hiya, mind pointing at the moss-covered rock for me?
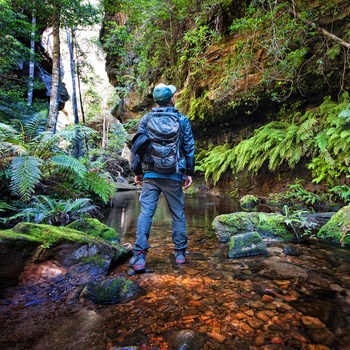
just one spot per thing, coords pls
(45, 234)
(35, 245)
(249, 202)
(270, 226)
(246, 244)
(337, 229)
(110, 290)
(95, 228)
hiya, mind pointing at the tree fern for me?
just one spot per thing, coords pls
(25, 174)
(43, 209)
(68, 163)
(100, 185)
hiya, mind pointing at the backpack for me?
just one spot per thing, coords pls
(164, 131)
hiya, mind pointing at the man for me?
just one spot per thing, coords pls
(149, 172)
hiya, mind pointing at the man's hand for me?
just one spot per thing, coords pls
(138, 179)
(188, 182)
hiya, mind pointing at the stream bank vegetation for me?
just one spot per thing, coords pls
(48, 173)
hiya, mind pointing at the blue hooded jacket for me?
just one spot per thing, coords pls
(140, 145)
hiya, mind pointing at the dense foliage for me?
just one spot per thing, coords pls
(320, 134)
(236, 58)
(41, 177)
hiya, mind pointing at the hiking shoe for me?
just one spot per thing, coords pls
(180, 256)
(138, 261)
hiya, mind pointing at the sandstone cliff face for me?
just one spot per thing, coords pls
(227, 108)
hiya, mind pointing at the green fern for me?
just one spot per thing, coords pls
(46, 210)
(70, 164)
(25, 174)
(321, 134)
(100, 185)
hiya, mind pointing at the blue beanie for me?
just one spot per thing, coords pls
(163, 93)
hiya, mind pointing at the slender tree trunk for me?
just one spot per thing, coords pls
(31, 62)
(56, 75)
(77, 142)
(80, 93)
(72, 70)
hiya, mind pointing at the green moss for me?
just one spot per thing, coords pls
(337, 229)
(268, 225)
(46, 235)
(249, 201)
(246, 244)
(111, 290)
(95, 228)
(19, 242)
(273, 225)
(95, 260)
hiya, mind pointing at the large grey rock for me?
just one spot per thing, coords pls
(246, 244)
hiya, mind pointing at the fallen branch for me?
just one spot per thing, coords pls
(319, 29)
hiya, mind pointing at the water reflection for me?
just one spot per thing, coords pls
(273, 301)
(200, 212)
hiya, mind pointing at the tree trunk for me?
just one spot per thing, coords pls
(31, 63)
(77, 142)
(72, 71)
(56, 75)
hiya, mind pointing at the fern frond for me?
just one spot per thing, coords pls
(25, 174)
(6, 132)
(100, 185)
(75, 132)
(69, 164)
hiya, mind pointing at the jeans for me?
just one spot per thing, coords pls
(172, 191)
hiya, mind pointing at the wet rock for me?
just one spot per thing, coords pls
(184, 339)
(94, 227)
(249, 202)
(312, 322)
(292, 250)
(247, 244)
(82, 331)
(278, 269)
(13, 257)
(110, 290)
(268, 225)
(321, 336)
(260, 340)
(337, 228)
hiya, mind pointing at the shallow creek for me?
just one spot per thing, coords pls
(275, 301)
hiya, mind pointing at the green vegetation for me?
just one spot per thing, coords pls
(32, 157)
(165, 38)
(46, 235)
(337, 228)
(320, 134)
(95, 228)
(45, 210)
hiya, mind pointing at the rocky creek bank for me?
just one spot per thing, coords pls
(65, 289)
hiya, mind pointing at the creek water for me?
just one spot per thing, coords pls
(274, 301)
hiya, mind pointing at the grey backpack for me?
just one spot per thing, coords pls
(164, 131)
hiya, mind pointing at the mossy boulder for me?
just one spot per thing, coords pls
(110, 290)
(337, 229)
(46, 235)
(270, 226)
(36, 247)
(249, 202)
(95, 228)
(246, 244)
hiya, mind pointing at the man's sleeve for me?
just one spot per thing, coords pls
(188, 146)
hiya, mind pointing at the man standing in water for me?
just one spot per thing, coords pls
(163, 163)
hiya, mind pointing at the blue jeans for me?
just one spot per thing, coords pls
(172, 191)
